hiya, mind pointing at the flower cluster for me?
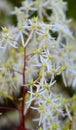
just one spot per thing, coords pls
(43, 31)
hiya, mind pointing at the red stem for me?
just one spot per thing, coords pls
(7, 108)
(22, 122)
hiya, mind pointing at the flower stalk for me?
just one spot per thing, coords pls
(24, 91)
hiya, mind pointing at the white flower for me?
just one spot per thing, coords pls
(8, 37)
(74, 83)
(49, 108)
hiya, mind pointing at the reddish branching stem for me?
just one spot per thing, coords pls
(22, 121)
(71, 122)
(7, 108)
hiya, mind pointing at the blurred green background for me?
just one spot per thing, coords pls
(71, 12)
